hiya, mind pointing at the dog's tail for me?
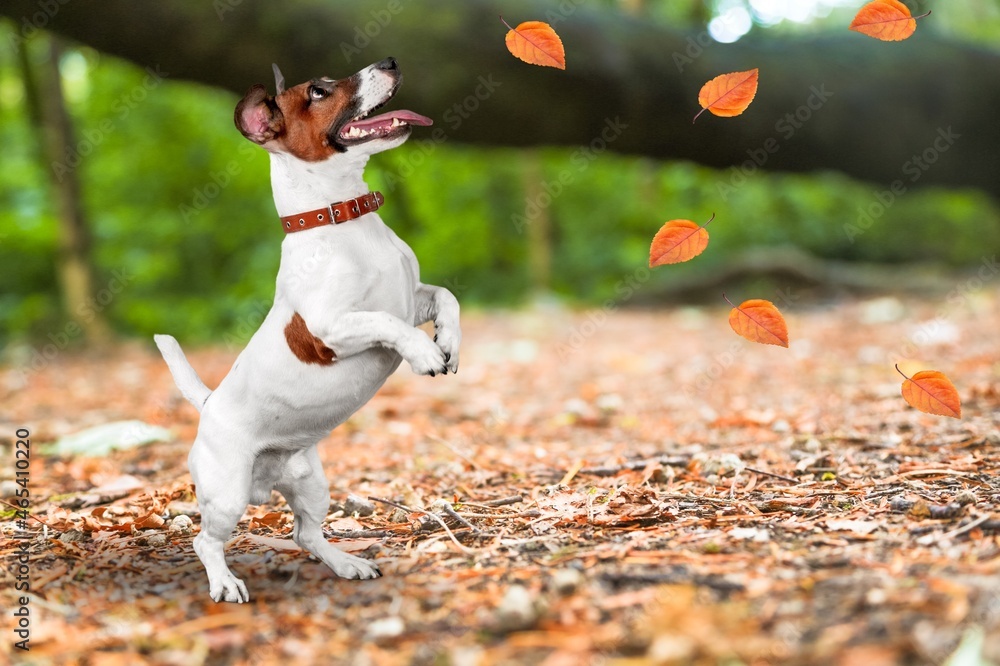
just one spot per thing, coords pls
(187, 380)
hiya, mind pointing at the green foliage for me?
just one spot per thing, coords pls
(181, 213)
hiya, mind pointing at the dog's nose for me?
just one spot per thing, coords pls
(387, 64)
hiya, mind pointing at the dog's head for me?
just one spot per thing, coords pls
(322, 118)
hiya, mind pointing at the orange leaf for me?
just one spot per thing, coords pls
(932, 392)
(888, 20)
(760, 321)
(536, 43)
(678, 241)
(728, 95)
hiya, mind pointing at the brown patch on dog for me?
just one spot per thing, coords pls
(309, 121)
(299, 124)
(306, 346)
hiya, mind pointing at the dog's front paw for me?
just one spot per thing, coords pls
(424, 356)
(449, 339)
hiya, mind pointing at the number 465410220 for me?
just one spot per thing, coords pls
(22, 461)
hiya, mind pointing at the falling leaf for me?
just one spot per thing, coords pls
(760, 321)
(536, 43)
(888, 20)
(932, 392)
(678, 241)
(728, 95)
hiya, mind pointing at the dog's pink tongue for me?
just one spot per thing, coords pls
(404, 116)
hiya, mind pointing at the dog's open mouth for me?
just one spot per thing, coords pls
(364, 128)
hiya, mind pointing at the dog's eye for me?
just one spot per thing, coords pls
(317, 93)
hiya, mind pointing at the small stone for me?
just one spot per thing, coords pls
(385, 629)
(965, 498)
(358, 505)
(156, 540)
(721, 465)
(671, 649)
(517, 610)
(181, 524)
(8, 488)
(567, 581)
(609, 402)
(70, 536)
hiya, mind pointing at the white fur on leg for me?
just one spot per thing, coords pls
(308, 493)
(222, 584)
(354, 332)
(223, 491)
(439, 305)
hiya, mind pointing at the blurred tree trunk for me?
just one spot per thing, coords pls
(539, 227)
(920, 112)
(47, 108)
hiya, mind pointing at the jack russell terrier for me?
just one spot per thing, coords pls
(347, 302)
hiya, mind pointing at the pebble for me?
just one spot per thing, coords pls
(516, 610)
(8, 488)
(385, 629)
(181, 524)
(567, 581)
(358, 505)
(156, 540)
(69, 536)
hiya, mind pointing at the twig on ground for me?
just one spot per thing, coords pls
(448, 445)
(358, 534)
(959, 531)
(30, 515)
(447, 508)
(771, 474)
(634, 465)
(463, 548)
(503, 501)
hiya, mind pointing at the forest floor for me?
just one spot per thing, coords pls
(635, 487)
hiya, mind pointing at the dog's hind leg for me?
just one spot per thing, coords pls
(223, 494)
(308, 493)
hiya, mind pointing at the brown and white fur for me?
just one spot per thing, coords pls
(347, 301)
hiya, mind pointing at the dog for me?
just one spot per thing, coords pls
(347, 302)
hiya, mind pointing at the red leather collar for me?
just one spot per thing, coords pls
(334, 213)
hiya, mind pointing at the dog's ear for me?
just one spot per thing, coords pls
(258, 117)
(279, 79)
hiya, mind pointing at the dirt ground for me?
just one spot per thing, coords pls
(632, 487)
